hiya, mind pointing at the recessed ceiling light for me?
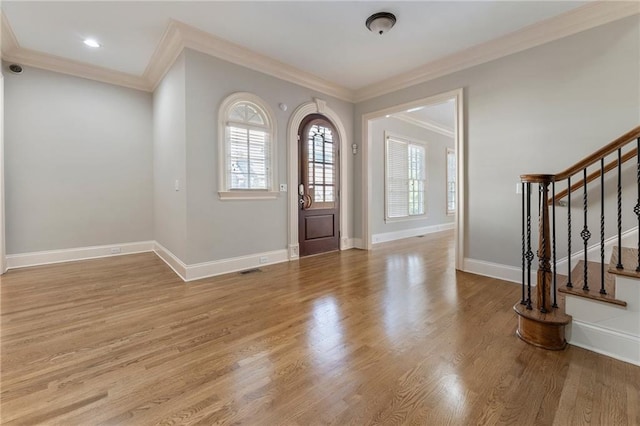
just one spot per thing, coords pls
(91, 42)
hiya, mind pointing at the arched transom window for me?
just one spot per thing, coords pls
(247, 148)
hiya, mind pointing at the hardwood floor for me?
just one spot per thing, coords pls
(391, 336)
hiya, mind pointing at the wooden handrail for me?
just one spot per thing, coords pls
(599, 154)
(595, 175)
(587, 161)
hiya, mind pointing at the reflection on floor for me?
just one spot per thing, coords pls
(390, 336)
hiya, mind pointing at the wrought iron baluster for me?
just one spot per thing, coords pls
(602, 290)
(585, 234)
(553, 239)
(529, 252)
(569, 283)
(619, 264)
(523, 220)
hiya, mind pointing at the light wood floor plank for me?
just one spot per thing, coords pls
(390, 336)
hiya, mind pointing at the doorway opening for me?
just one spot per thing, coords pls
(413, 171)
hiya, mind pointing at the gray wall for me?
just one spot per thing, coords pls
(436, 149)
(538, 111)
(222, 229)
(78, 162)
(169, 160)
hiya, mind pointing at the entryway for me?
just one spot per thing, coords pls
(318, 186)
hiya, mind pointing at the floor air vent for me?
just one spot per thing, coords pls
(251, 271)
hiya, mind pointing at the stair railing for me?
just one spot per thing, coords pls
(546, 284)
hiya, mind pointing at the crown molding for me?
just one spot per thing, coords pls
(206, 43)
(13, 52)
(591, 15)
(166, 53)
(425, 124)
(75, 68)
(180, 35)
(9, 40)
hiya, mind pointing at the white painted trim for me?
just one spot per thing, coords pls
(204, 42)
(622, 346)
(178, 266)
(357, 243)
(13, 52)
(248, 195)
(272, 125)
(425, 124)
(497, 270)
(408, 141)
(317, 106)
(408, 233)
(163, 58)
(3, 249)
(78, 69)
(234, 264)
(459, 141)
(591, 15)
(24, 260)
(9, 40)
(180, 35)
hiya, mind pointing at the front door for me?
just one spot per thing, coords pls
(318, 183)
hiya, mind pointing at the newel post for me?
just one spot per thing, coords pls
(545, 276)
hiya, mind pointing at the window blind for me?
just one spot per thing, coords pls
(405, 179)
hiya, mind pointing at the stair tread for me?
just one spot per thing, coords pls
(629, 262)
(593, 280)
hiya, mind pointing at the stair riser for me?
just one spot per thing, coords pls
(605, 328)
(603, 314)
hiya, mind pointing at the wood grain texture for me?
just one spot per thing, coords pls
(390, 336)
(629, 262)
(593, 279)
(595, 175)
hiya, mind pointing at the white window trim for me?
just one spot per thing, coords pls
(411, 141)
(446, 187)
(245, 194)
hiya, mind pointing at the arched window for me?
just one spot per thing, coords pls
(247, 148)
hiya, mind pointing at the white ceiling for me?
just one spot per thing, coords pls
(328, 39)
(442, 115)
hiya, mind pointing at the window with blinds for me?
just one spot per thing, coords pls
(451, 181)
(248, 144)
(405, 175)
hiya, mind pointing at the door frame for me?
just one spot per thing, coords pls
(317, 106)
(367, 190)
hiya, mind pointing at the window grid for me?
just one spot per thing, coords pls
(321, 164)
(405, 179)
(451, 181)
(247, 147)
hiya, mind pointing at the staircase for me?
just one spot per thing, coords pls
(586, 299)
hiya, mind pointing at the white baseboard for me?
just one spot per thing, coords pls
(357, 243)
(234, 264)
(614, 344)
(24, 260)
(408, 233)
(178, 266)
(497, 270)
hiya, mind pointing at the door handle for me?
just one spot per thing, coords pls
(301, 189)
(306, 201)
